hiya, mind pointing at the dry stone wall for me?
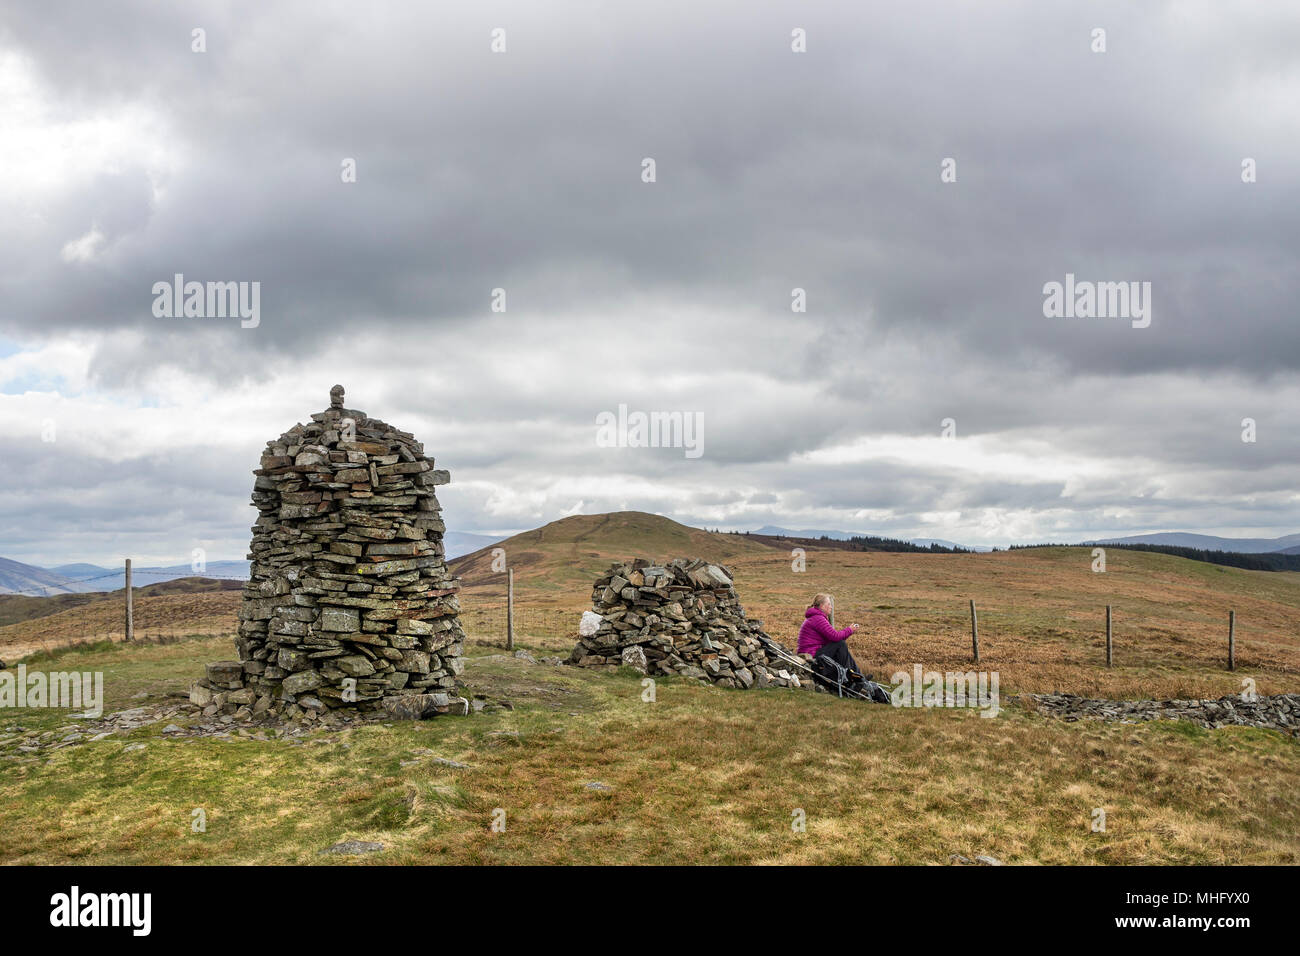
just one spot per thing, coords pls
(1278, 712)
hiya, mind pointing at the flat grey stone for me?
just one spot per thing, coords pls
(455, 764)
(353, 848)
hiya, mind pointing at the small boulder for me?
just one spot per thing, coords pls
(414, 706)
(634, 657)
(226, 673)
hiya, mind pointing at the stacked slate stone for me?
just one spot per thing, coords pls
(1281, 711)
(349, 602)
(683, 617)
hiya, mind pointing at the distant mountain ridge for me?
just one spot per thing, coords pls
(18, 577)
(83, 578)
(78, 571)
(1289, 544)
(80, 578)
(774, 531)
(458, 543)
(1208, 542)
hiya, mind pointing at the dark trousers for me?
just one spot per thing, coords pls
(838, 651)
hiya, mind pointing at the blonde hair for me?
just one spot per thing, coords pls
(820, 599)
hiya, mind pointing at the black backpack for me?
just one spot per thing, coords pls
(874, 691)
(830, 674)
(842, 682)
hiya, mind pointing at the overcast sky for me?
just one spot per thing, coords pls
(128, 157)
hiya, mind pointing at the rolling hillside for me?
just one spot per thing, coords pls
(189, 606)
(566, 555)
(1042, 610)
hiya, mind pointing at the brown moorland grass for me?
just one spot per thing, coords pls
(157, 613)
(1041, 610)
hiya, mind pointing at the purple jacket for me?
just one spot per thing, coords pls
(817, 631)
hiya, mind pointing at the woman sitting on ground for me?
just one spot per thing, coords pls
(818, 637)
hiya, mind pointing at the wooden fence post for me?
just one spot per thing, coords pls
(1110, 646)
(510, 609)
(974, 631)
(130, 617)
(1232, 640)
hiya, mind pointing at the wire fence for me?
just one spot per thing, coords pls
(487, 611)
(88, 615)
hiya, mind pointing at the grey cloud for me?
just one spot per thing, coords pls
(774, 171)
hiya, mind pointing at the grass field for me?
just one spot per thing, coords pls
(700, 774)
(1042, 611)
(703, 774)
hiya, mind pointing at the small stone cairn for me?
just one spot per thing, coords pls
(683, 617)
(349, 605)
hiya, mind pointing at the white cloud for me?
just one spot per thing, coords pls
(84, 248)
(52, 150)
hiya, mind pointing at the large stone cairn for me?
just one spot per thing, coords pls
(683, 617)
(349, 602)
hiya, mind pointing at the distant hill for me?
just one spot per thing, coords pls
(114, 579)
(458, 543)
(807, 533)
(1208, 542)
(24, 607)
(28, 579)
(16, 608)
(570, 552)
(18, 577)
(1174, 539)
(774, 531)
(945, 543)
(195, 606)
(190, 585)
(78, 571)
(1249, 560)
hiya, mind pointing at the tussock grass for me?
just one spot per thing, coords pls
(700, 775)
